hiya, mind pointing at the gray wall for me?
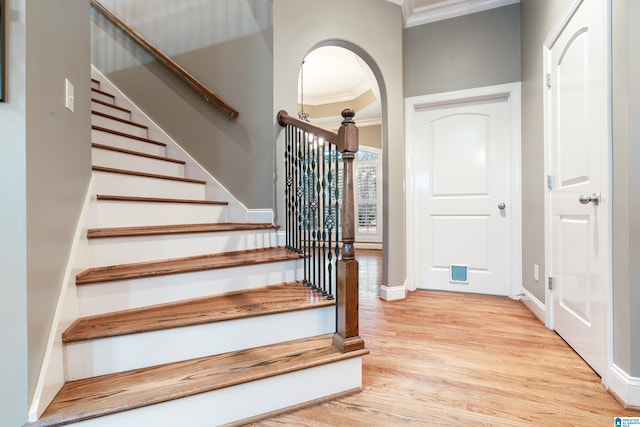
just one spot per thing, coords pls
(470, 51)
(538, 18)
(13, 228)
(46, 165)
(240, 70)
(299, 27)
(626, 185)
(58, 155)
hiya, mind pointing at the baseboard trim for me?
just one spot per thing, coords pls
(260, 215)
(624, 388)
(534, 305)
(392, 293)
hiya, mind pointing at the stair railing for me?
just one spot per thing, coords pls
(208, 95)
(320, 214)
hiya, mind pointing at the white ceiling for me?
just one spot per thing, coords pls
(334, 74)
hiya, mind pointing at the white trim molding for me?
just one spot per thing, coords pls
(392, 293)
(533, 304)
(624, 387)
(414, 16)
(512, 92)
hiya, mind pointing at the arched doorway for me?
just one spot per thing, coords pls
(332, 78)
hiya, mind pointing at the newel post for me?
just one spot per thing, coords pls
(346, 337)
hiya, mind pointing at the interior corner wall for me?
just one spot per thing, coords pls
(58, 156)
(626, 185)
(375, 28)
(537, 19)
(13, 244)
(476, 50)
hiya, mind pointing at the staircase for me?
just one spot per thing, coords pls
(186, 316)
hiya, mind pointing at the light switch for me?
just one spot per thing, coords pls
(536, 272)
(68, 93)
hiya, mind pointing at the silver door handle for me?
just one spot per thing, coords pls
(501, 206)
(594, 198)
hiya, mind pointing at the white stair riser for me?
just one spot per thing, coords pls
(102, 97)
(122, 250)
(123, 214)
(118, 354)
(118, 126)
(243, 401)
(108, 138)
(118, 160)
(116, 112)
(141, 186)
(105, 297)
(95, 85)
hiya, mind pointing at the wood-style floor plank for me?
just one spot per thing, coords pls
(184, 265)
(447, 359)
(152, 230)
(273, 299)
(93, 397)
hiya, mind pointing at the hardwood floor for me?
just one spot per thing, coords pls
(447, 359)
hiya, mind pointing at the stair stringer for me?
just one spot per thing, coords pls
(214, 190)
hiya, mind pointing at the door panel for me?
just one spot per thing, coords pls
(461, 177)
(579, 158)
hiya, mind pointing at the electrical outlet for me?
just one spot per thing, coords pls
(536, 272)
(69, 96)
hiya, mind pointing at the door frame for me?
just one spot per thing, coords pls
(563, 20)
(512, 93)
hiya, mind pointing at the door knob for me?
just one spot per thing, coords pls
(585, 198)
(501, 206)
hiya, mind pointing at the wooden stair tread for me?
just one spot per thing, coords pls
(184, 265)
(128, 135)
(119, 119)
(93, 397)
(273, 299)
(117, 198)
(152, 230)
(101, 92)
(106, 104)
(136, 153)
(145, 174)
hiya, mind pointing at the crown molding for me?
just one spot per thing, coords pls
(445, 9)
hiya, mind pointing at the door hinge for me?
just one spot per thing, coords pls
(548, 80)
(550, 182)
(552, 283)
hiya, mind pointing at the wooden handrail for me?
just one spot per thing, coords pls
(285, 119)
(183, 74)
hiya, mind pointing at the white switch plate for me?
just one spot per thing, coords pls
(536, 272)
(68, 93)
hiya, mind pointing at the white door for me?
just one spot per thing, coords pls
(462, 204)
(578, 159)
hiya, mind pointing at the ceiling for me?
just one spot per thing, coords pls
(334, 75)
